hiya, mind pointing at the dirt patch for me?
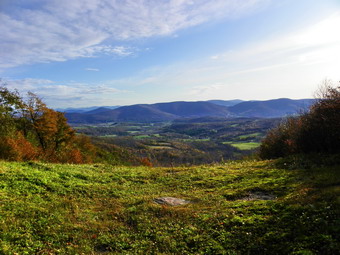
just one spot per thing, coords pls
(258, 195)
(173, 201)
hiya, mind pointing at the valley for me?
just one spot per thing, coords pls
(183, 141)
(184, 133)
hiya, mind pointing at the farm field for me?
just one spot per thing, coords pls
(244, 145)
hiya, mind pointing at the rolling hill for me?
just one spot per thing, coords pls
(84, 109)
(150, 113)
(270, 108)
(177, 110)
(226, 102)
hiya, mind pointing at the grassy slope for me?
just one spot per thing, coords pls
(94, 209)
(244, 145)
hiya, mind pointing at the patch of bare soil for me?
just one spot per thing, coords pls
(258, 195)
(173, 201)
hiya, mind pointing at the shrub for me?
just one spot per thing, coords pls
(146, 162)
(17, 148)
(282, 140)
(75, 157)
(316, 131)
(85, 148)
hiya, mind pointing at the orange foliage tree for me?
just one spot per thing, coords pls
(30, 130)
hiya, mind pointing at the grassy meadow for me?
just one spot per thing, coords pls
(244, 146)
(241, 207)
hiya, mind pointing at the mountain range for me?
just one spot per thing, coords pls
(177, 110)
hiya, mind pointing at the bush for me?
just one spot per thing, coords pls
(17, 148)
(282, 140)
(316, 131)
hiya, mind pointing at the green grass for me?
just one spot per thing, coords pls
(253, 135)
(234, 125)
(141, 136)
(132, 127)
(133, 132)
(108, 136)
(94, 209)
(196, 140)
(244, 146)
(160, 147)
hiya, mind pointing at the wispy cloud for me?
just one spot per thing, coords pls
(58, 30)
(92, 69)
(204, 90)
(288, 66)
(69, 94)
(298, 46)
(25, 85)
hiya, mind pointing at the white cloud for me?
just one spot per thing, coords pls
(57, 30)
(299, 46)
(289, 66)
(92, 69)
(67, 94)
(204, 90)
(25, 85)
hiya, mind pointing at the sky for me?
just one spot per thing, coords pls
(83, 53)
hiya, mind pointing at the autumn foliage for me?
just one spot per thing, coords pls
(29, 130)
(316, 131)
(17, 148)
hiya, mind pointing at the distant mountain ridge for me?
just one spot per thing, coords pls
(177, 110)
(84, 109)
(150, 112)
(270, 108)
(226, 102)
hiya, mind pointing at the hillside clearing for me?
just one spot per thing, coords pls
(94, 209)
(243, 145)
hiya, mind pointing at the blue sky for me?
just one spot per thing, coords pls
(112, 52)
